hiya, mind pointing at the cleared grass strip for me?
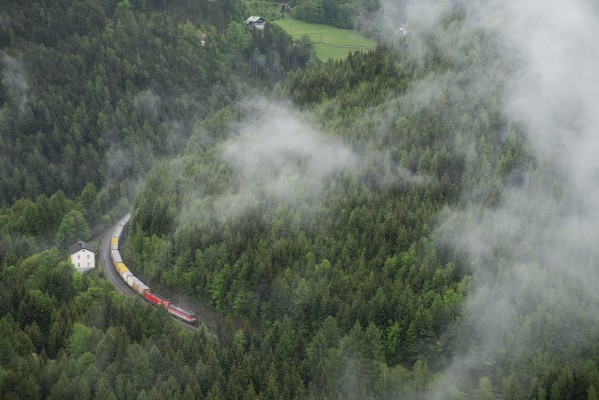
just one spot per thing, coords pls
(329, 42)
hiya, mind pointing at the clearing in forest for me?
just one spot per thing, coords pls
(330, 42)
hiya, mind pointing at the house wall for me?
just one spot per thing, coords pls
(84, 260)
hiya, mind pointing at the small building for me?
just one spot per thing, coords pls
(255, 22)
(402, 30)
(83, 256)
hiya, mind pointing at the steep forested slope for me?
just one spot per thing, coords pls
(361, 216)
(351, 216)
(99, 93)
(327, 217)
(93, 96)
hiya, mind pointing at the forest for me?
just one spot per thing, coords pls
(378, 227)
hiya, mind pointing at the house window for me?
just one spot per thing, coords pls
(88, 264)
(88, 256)
(78, 256)
(78, 265)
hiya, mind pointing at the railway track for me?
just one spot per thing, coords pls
(111, 274)
(109, 271)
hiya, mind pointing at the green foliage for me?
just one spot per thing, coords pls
(73, 227)
(350, 293)
(272, 53)
(338, 13)
(358, 274)
(117, 87)
(342, 79)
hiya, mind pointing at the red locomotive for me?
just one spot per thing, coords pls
(176, 311)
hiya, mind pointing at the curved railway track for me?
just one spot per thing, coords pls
(111, 274)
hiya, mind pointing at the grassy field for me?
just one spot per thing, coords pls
(329, 42)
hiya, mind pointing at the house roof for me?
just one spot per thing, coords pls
(254, 18)
(81, 245)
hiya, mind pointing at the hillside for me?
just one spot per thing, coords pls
(413, 221)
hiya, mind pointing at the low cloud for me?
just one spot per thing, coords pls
(121, 161)
(533, 258)
(419, 15)
(278, 155)
(15, 78)
(148, 103)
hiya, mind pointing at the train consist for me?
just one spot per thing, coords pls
(138, 286)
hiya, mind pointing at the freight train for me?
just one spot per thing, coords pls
(137, 285)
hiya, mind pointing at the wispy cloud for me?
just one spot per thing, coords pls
(278, 155)
(535, 255)
(15, 78)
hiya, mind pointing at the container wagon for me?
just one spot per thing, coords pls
(137, 285)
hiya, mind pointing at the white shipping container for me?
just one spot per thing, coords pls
(116, 256)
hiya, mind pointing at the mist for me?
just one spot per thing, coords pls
(277, 155)
(147, 103)
(533, 258)
(15, 78)
(277, 150)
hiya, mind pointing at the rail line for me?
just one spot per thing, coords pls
(112, 275)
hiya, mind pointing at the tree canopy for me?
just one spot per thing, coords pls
(319, 208)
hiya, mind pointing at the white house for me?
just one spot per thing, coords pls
(255, 22)
(83, 256)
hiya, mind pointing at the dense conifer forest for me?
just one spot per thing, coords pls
(364, 226)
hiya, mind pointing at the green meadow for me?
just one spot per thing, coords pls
(330, 42)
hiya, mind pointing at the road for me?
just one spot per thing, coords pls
(111, 274)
